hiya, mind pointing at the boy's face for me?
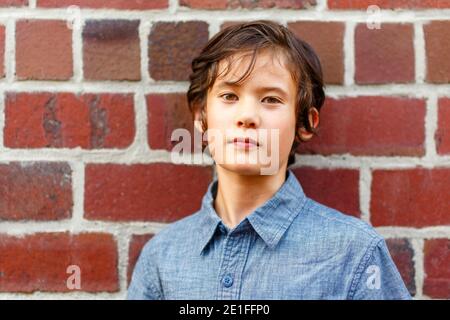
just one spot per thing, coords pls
(252, 110)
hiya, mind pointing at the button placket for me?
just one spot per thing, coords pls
(236, 249)
(226, 280)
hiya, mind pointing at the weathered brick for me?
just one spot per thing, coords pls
(13, 3)
(43, 55)
(388, 4)
(66, 120)
(437, 268)
(442, 135)
(327, 39)
(416, 197)
(437, 47)
(107, 4)
(2, 51)
(167, 112)
(248, 4)
(336, 188)
(384, 55)
(370, 125)
(172, 46)
(35, 191)
(111, 50)
(402, 253)
(146, 192)
(39, 262)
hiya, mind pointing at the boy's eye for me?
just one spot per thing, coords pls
(273, 100)
(227, 94)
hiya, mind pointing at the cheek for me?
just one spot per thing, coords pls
(218, 117)
(286, 130)
(219, 121)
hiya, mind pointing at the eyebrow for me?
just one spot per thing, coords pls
(224, 84)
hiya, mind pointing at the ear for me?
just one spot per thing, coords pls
(313, 118)
(198, 120)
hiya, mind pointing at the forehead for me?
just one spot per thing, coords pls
(270, 68)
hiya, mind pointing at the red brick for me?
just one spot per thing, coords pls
(107, 4)
(403, 255)
(167, 112)
(437, 46)
(384, 55)
(172, 46)
(66, 120)
(137, 242)
(43, 55)
(248, 4)
(111, 50)
(327, 39)
(13, 3)
(371, 125)
(388, 4)
(147, 192)
(39, 262)
(35, 191)
(2, 51)
(336, 188)
(410, 197)
(442, 136)
(437, 268)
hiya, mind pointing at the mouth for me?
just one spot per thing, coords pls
(244, 142)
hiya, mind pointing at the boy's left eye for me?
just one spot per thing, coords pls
(274, 100)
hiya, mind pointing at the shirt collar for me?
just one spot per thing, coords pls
(270, 220)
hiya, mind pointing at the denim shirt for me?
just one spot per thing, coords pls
(291, 247)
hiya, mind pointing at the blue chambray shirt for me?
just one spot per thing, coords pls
(291, 247)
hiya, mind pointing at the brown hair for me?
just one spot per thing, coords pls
(252, 36)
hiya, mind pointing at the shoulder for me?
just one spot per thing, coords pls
(332, 234)
(352, 246)
(335, 224)
(173, 236)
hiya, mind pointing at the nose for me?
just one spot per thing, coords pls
(247, 117)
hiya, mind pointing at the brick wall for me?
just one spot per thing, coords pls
(91, 90)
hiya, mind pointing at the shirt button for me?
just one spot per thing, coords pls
(227, 281)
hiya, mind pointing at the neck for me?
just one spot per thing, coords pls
(239, 195)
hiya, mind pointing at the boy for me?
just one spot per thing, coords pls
(258, 236)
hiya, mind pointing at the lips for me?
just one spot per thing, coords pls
(245, 140)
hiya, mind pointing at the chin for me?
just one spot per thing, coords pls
(246, 163)
(242, 169)
(249, 169)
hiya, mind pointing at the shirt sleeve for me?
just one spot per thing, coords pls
(145, 281)
(377, 277)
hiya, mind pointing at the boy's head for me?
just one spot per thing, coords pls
(233, 83)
